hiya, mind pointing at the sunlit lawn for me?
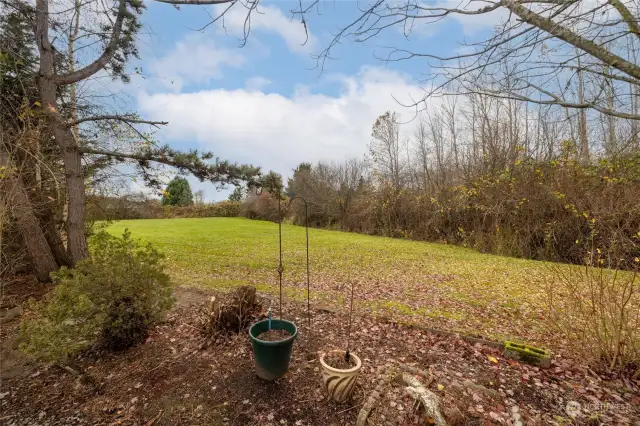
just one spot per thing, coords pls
(438, 285)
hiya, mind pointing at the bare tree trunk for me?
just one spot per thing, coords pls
(423, 153)
(612, 145)
(76, 240)
(47, 221)
(634, 92)
(635, 124)
(28, 224)
(584, 141)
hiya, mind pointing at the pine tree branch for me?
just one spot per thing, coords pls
(192, 162)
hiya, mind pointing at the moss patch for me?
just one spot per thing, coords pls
(528, 354)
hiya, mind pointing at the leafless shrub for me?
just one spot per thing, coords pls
(263, 207)
(229, 316)
(597, 308)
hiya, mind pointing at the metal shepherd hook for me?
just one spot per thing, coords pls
(280, 266)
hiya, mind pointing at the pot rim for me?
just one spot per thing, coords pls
(337, 370)
(277, 342)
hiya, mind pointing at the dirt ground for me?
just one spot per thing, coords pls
(172, 380)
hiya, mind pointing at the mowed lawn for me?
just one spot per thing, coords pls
(438, 285)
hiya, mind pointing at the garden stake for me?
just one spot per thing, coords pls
(280, 268)
(306, 225)
(347, 354)
(269, 314)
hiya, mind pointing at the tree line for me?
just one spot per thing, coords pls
(495, 175)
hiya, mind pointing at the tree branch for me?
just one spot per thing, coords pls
(196, 2)
(572, 38)
(117, 118)
(627, 16)
(106, 56)
(555, 100)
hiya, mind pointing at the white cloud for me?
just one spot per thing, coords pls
(195, 59)
(269, 19)
(256, 84)
(278, 132)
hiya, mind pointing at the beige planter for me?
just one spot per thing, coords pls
(340, 383)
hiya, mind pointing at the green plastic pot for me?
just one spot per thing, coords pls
(272, 358)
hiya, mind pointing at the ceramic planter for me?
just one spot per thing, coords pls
(272, 358)
(340, 383)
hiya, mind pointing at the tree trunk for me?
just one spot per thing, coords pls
(76, 240)
(584, 140)
(47, 220)
(28, 224)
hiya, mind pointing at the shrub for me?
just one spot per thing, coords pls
(263, 207)
(219, 209)
(139, 207)
(110, 299)
(596, 308)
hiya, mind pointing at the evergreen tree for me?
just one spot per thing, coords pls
(18, 68)
(237, 194)
(272, 183)
(178, 193)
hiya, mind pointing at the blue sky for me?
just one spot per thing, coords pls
(267, 103)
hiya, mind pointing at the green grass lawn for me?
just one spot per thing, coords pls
(438, 285)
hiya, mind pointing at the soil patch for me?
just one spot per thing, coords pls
(274, 335)
(338, 360)
(177, 377)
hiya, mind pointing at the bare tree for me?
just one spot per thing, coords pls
(386, 149)
(542, 40)
(422, 152)
(198, 197)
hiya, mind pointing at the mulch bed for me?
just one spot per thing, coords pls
(175, 378)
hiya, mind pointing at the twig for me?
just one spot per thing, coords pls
(153, 420)
(350, 408)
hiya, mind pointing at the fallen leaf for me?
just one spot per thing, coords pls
(492, 359)
(440, 386)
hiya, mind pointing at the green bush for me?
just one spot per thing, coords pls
(110, 299)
